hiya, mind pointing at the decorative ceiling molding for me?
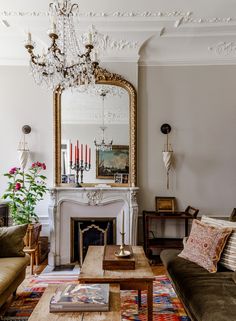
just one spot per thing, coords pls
(185, 17)
(224, 48)
(129, 14)
(191, 19)
(104, 42)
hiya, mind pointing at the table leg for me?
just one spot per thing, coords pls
(186, 227)
(150, 301)
(139, 298)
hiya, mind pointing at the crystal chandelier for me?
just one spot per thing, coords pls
(64, 63)
(103, 146)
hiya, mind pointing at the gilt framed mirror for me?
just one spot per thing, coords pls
(96, 128)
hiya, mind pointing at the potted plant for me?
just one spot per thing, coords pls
(25, 190)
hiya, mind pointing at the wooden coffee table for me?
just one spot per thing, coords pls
(139, 279)
(41, 311)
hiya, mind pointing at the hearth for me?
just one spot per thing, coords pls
(89, 231)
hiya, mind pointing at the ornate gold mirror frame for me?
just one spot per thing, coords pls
(102, 77)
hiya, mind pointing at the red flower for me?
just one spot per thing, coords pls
(13, 170)
(18, 186)
(39, 165)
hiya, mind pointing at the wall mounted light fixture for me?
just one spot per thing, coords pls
(167, 153)
(23, 148)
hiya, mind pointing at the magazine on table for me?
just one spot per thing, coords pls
(80, 297)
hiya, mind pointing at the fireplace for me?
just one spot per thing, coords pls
(91, 203)
(88, 231)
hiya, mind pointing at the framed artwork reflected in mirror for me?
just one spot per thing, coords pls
(113, 162)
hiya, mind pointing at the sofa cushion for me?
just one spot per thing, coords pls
(228, 257)
(205, 245)
(11, 240)
(206, 296)
(10, 268)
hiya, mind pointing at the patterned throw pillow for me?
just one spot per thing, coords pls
(228, 257)
(205, 244)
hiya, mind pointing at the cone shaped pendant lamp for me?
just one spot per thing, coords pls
(167, 153)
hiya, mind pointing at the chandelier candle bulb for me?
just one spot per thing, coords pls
(90, 38)
(29, 38)
(95, 57)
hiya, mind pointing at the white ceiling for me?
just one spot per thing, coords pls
(158, 32)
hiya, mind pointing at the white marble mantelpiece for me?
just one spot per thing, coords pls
(89, 202)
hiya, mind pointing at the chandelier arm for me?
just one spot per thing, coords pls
(33, 57)
(74, 7)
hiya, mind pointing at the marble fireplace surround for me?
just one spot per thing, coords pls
(89, 202)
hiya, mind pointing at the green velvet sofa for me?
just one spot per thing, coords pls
(12, 273)
(205, 296)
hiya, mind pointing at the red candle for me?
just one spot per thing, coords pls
(75, 154)
(89, 155)
(81, 152)
(86, 152)
(70, 152)
(78, 154)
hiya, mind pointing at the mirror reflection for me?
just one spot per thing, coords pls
(95, 135)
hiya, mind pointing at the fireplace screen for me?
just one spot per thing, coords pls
(87, 232)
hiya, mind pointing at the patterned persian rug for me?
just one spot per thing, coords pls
(166, 305)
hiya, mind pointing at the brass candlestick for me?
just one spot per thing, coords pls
(122, 252)
(122, 246)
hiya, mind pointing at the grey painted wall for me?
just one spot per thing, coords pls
(200, 104)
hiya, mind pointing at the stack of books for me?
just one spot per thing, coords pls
(80, 297)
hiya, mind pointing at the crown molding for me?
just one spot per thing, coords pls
(188, 61)
(203, 20)
(127, 14)
(224, 49)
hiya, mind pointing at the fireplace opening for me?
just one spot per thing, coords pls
(87, 231)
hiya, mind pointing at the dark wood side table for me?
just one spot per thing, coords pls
(4, 212)
(160, 242)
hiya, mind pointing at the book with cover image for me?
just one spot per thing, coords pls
(80, 297)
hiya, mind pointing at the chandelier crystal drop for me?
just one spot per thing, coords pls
(103, 146)
(64, 63)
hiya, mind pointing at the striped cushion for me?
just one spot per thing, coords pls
(228, 257)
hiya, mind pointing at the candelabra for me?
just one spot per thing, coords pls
(80, 167)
